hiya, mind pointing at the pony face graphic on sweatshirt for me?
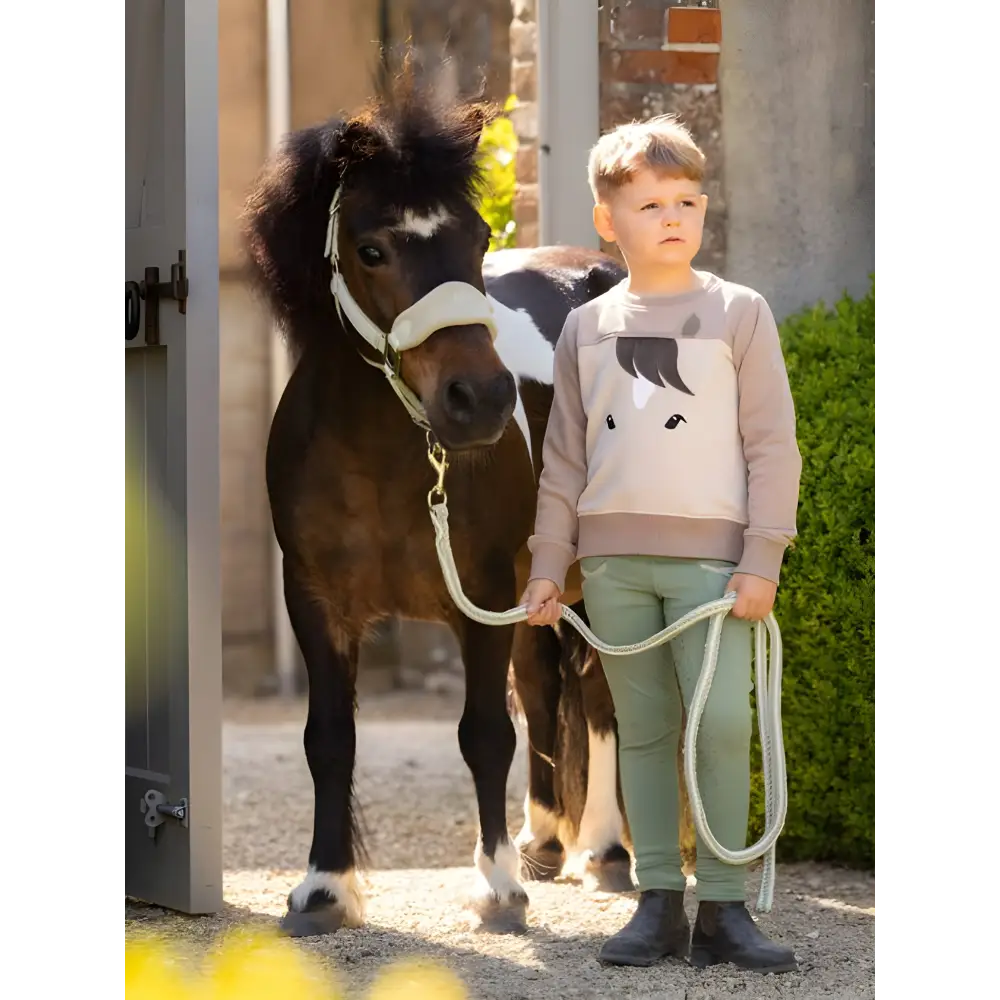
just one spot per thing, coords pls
(662, 427)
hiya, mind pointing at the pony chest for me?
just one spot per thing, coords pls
(362, 520)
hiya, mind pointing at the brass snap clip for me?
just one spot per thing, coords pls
(438, 458)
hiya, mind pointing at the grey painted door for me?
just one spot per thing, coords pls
(173, 854)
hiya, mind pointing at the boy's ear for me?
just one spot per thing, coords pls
(602, 222)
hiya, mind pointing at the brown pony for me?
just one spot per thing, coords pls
(366, 227)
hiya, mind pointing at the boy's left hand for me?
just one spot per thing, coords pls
(754, 596)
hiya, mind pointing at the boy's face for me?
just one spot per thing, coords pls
(656, 220)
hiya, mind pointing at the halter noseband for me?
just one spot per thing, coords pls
(452, 303)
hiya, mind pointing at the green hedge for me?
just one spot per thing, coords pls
(826, 600)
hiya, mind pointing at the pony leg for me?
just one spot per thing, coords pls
(329, 896)
(487, 740)
(598, 856)
(537, 685)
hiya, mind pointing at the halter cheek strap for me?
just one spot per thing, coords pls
(452, 303)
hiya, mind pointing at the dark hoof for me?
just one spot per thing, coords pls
(611, 873)
(502, 918)
(322, 915)
(511, 919)
(544, 862)
(314, 923)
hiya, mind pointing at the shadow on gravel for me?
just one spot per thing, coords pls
(546, 964)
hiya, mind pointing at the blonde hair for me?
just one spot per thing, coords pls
(662, 144)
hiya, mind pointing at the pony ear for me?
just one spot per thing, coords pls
(481, 113)
(477, 116)
(285, 219)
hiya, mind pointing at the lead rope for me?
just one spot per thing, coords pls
(768, 704)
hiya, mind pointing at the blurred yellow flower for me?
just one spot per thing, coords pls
(258, 965)
(417, 980)
(255, 965)
(151, 971)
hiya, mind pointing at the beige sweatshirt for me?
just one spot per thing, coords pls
(672, 433)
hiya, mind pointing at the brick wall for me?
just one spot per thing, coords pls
(656, 57)
(524, 86)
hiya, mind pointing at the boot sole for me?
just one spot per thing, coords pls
(642, 961)
(702, 958)
(637, 961)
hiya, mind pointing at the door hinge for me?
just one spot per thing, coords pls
(151, 290)
(157, 810)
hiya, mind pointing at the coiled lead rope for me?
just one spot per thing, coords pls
(768, 702)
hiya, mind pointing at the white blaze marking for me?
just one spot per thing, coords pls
(641, 392)
(344, 886)
(424, 226)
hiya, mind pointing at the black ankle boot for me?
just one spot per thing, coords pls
(725, 932)
(659, 927)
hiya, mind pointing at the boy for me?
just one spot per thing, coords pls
(671, 471)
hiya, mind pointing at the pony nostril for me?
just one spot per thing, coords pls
(503, 389)
(459, 401)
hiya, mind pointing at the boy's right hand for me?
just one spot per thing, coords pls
(541, 598)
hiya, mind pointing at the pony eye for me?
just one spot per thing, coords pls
(370, 255)
(610, 422)
(674, 421)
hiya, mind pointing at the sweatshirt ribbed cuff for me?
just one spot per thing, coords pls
(761, 557)
(550, 562)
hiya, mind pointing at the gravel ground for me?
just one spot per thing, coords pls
(418, 807)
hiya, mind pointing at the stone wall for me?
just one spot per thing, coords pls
(801, 206)
(656, 57)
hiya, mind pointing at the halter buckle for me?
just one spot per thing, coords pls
(391, 360)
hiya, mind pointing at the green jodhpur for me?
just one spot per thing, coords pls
(629, 598)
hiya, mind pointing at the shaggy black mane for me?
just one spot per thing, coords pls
(407, 149)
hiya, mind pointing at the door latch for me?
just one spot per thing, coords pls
(157, 809)
(152, 290)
